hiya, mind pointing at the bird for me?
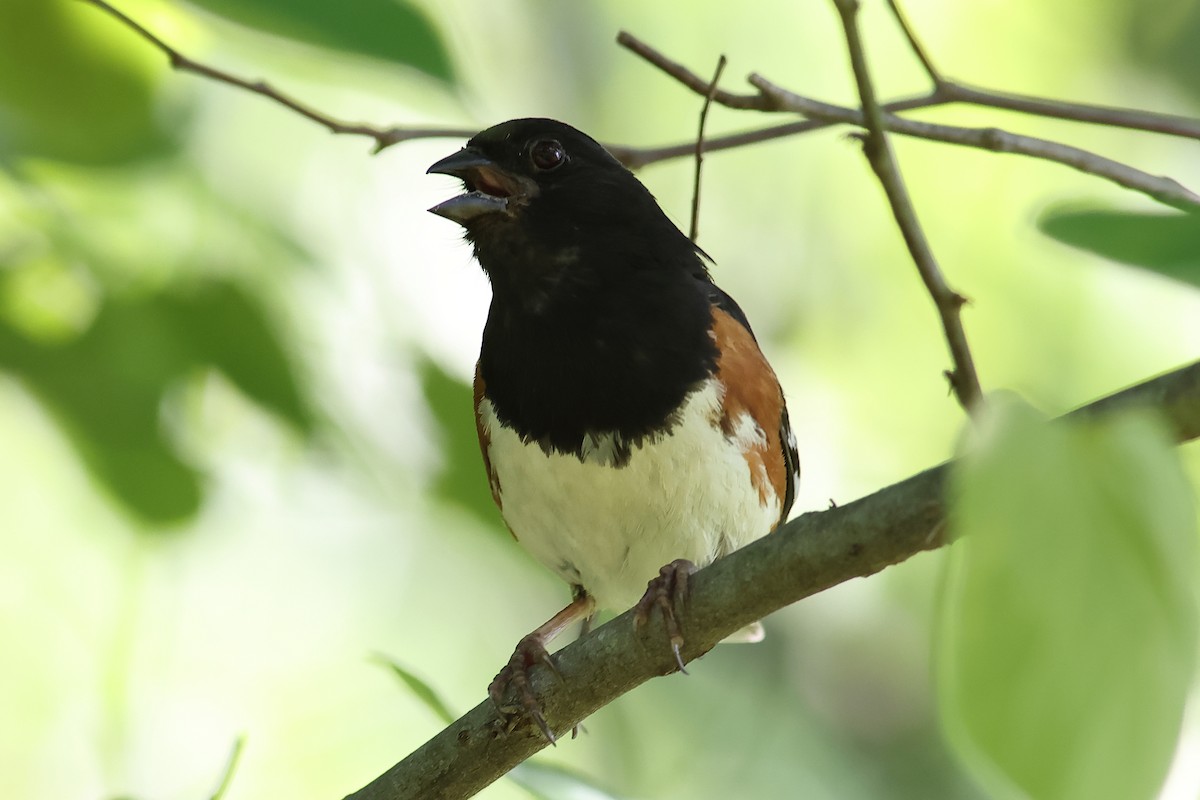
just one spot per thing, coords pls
(631, 429)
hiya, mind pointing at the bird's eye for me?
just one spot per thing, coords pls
(547, 154)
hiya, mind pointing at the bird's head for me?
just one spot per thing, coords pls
(547, 207)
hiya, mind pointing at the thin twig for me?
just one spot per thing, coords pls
(688, 78)
(712, 88)
(384, 137)
(775, 98)
(1112, 116)
(807, 555)
(638, 157)
(935, 75)
(954, 92)
(1163, 189)
(963, 378)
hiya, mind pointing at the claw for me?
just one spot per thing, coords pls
(531, 650)
(669, 593)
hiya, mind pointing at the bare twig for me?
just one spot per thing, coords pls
(687, 77)
(1133, 119)
(935, 76)
(775, 98)
(954, 92)
(384, 137)
(712, 88)
(1163, 189)
(963, 378)
(810, 553)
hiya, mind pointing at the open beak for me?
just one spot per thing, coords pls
(489, 189)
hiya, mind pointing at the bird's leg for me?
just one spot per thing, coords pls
(667, 592)
(532, 650)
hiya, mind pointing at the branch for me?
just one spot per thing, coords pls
(963, 378)
(384, 137)
(775, 98)
(954, 92)
(807, 555)
(1163, 189)
(712, 88)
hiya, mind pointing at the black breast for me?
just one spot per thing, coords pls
(617, 359)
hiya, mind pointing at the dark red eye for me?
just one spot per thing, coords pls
(546, 154)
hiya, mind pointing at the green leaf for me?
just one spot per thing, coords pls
(554, 782)
(229, 329)
(1168, 244)
(391, 30)
(1068, 621)
(74, 86)
(423, 691)
(543, 781)
(461, 480)
(106, 385)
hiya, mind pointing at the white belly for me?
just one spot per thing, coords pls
(609, 529)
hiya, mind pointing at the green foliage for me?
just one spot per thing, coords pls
(1068, 620)
(461, 480)
(72, 87)
(542, 781)
(1168, 244)
(107, 384)
(554, 782)
(1162, 36)
(391, 30)
(422, 691)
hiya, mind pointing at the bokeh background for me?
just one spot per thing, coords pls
(237, 466)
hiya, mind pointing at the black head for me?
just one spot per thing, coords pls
(551, 212)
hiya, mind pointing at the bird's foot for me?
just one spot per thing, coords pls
(531, 650)
(514, 676)
(668, 592)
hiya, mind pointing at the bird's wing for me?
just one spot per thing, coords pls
(751, 387)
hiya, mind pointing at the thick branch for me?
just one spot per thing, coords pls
(807, 555)
(963, 378)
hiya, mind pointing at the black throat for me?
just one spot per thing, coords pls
(613, 361)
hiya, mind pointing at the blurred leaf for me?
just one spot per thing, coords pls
(462, 480)
(543, 781)
(230, 767)
(1168, 244)
(554, 782)
(423, 691)
(228, 329)
(1162, 35)
(1068, 620)
(106, 385)
(72, 87)
(392, 30)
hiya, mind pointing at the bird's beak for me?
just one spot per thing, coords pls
(490, 190)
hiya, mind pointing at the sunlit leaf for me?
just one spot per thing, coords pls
(72, 87)
(1168, 244)
(1068, 619)
(227, 328)
(106, 385)
(392, 30)
(422, 691)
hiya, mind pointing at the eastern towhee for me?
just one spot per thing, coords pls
(626, 415)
